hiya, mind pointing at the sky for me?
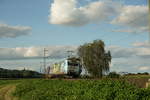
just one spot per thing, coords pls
(28, 26)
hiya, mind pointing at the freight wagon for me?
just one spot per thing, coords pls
(69, 67)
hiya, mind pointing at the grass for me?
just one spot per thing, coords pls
(138, 76)
(7, 82)
(57, 89)
(79, 90)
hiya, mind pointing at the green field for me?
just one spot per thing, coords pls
(40, 89)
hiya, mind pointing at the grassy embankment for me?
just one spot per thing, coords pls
(41, 89)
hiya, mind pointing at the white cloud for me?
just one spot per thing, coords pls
(35, 52)
(133, 17)
(144, 68)
(130, 64)
(119, 52)
(66, 12)
(32, 64)
(128, 59)
(32, 52)
(141, 44)
(123, 58)
(8, 31)
(123, 52)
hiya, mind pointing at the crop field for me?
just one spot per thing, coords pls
(138, 76)
(57, 89)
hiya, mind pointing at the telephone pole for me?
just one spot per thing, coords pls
(41, 65)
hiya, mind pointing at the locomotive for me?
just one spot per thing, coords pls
(70, 67)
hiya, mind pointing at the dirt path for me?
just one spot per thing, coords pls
(5, 92)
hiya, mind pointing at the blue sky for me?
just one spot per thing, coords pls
(34, 14)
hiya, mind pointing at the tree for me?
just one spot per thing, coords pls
(94, 58)
(7, 73)
(113, 75)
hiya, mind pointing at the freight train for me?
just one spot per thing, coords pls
(71, 67)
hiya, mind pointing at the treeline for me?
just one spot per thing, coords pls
(145, 73)
(6, 73)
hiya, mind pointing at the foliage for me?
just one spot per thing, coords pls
(94, 58)
(6, 73)
(145, 73)
(113, 75)
(79, 90)
(144, 94)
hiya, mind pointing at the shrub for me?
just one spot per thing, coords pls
(113, 75)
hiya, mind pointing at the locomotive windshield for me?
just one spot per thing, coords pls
(73, 61)
(72, 64)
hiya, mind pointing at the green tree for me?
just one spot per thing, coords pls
(113, 75)
(94, 58)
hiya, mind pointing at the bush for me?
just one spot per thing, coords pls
(113, 75)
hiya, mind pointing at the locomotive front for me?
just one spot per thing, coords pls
(74, 67)
(69, 67)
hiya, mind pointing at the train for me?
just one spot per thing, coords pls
(70, 67)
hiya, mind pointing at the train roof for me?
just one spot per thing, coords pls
(73, 59)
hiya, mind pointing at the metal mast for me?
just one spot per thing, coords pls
(44, 60)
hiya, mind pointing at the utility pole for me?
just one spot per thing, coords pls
(41, 64)
(44, 60)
